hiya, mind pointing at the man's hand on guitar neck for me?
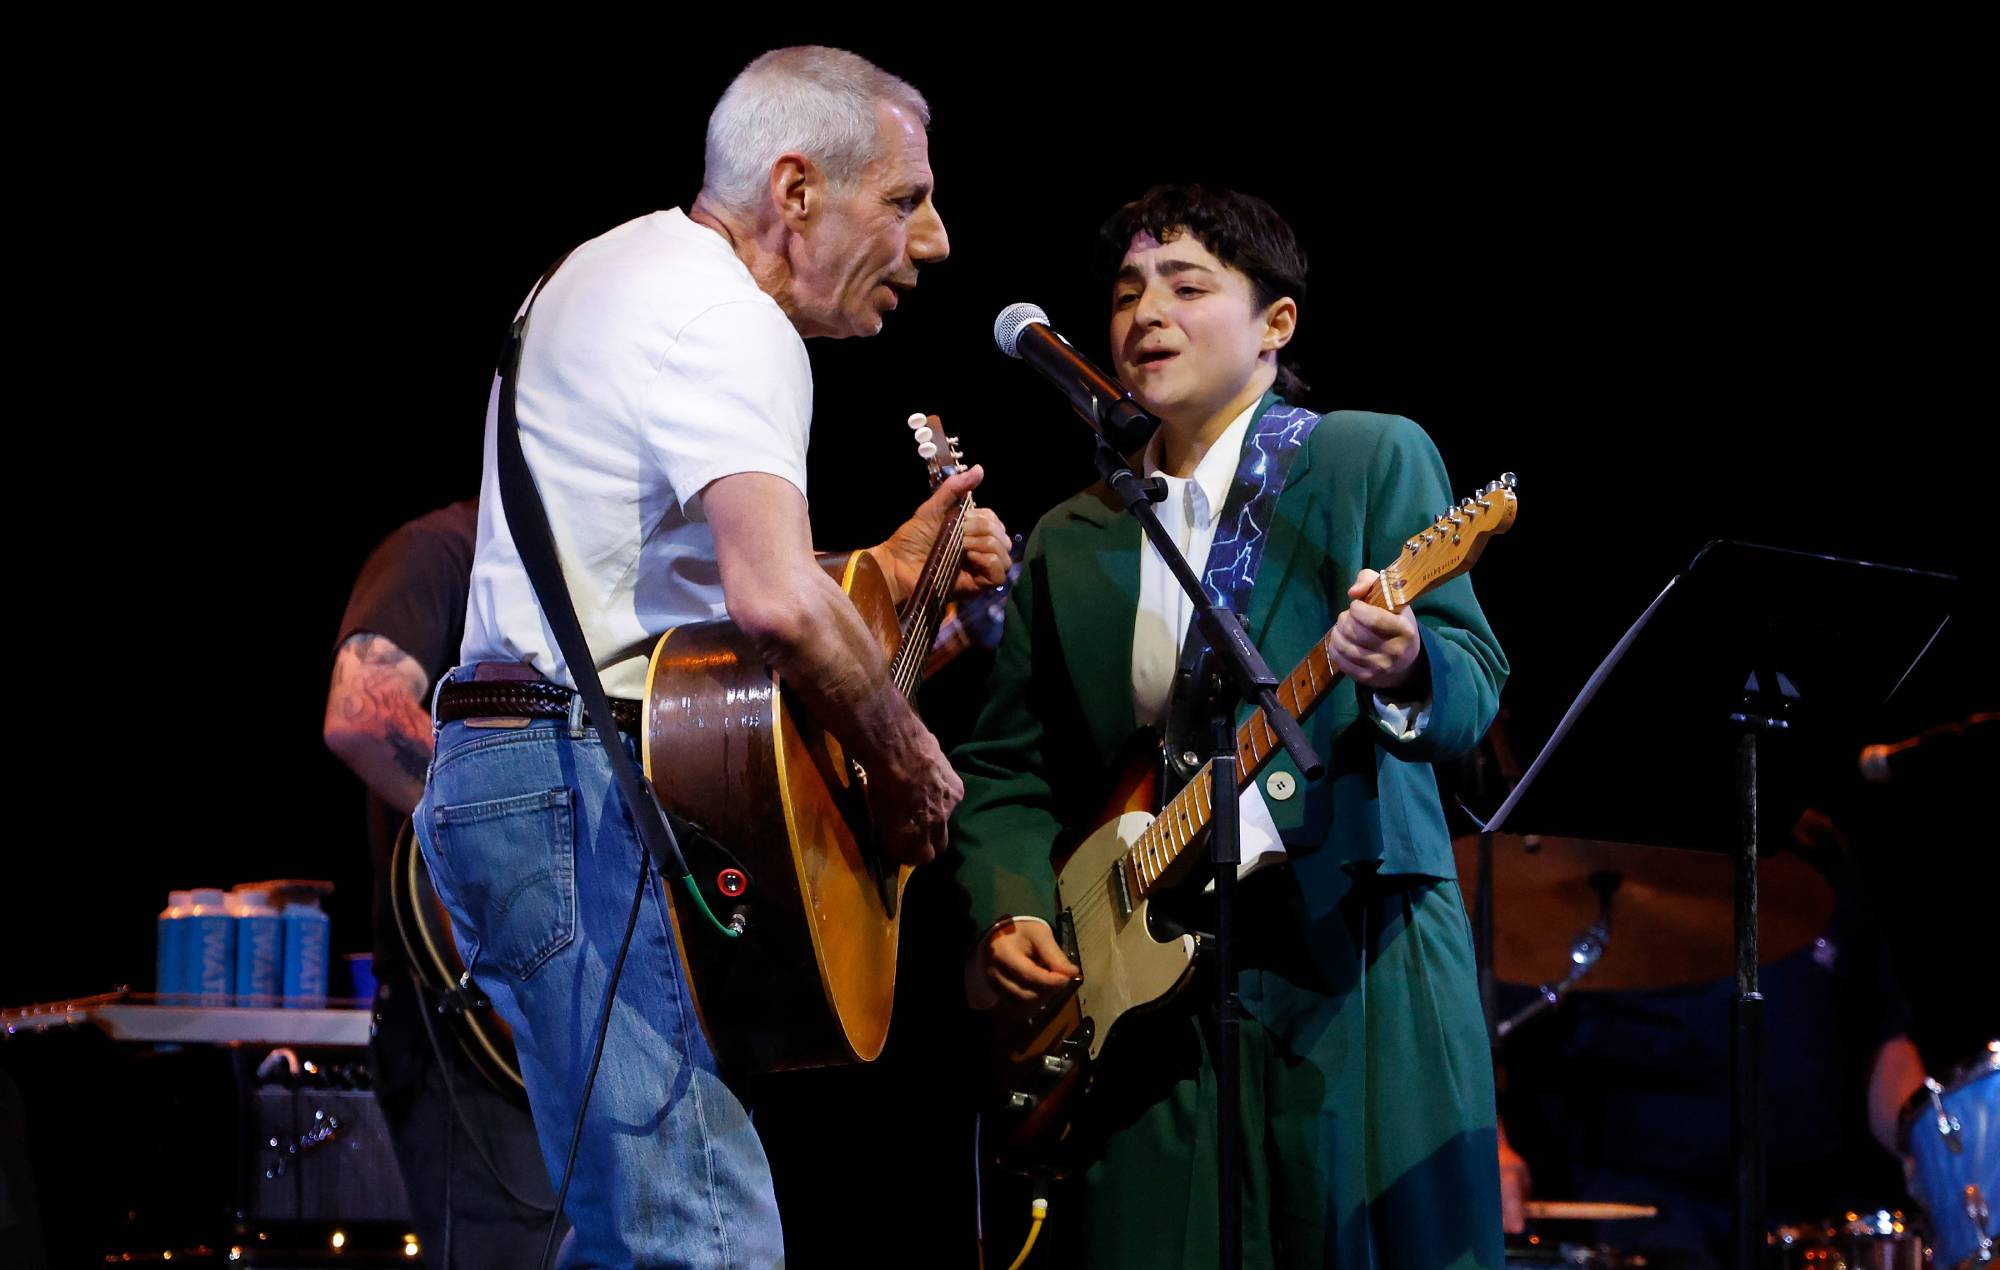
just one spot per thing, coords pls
(987, 549)
(1018, 967)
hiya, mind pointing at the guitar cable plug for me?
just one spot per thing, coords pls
(1039, 1211)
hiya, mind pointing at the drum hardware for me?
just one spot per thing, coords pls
(1584, 954)
(1881, 1240)
(1674, 908)
(1950, 1130)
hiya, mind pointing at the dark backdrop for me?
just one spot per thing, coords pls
(1684, 295)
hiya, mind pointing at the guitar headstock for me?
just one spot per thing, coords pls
(944, 460)
(1452, 542)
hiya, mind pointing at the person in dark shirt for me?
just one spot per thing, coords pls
(479, 1195)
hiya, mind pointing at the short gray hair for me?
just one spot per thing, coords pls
(810, 100)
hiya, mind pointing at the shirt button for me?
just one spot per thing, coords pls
(1280, 785)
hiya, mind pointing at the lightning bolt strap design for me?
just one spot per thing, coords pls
(1268, 449)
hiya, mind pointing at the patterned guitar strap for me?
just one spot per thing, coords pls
(1269, 447)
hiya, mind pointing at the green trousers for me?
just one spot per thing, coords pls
(1368, 1122)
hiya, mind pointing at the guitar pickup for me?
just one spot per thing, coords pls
(1121, 891)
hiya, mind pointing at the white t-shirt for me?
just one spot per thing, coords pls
(653, 365)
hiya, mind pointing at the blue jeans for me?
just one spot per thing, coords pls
(535, 858)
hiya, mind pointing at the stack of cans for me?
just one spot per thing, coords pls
(220, 948)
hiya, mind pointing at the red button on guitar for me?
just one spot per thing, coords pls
(731, 882)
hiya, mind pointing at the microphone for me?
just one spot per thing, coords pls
(1882, 763)
(1022, 330)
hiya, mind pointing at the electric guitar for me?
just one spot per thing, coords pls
(1105, 886)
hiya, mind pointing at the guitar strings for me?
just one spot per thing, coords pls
(1157, 838)
(1155, 834)
(926, 592)
(932, 585)
(915, 648)
(1100, 895)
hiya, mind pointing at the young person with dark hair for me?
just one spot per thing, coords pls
(1366, 1084)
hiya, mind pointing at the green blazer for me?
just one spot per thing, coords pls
(1059, 702)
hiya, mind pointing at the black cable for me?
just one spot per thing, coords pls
(450, 1137)
(597, 1053)
(424, 1009)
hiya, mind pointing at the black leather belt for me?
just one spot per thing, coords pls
(522, 699)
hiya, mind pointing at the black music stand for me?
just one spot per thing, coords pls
(1665, 744)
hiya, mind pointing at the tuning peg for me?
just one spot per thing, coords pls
(1508, 479)
(1413, 546)
(922, 435)
(917, 421)
(928, 450)
(1455, 516)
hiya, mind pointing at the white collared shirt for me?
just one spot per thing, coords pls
(1188, 513)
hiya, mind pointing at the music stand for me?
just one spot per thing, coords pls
(1663, 746)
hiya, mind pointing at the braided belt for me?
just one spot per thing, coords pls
(522, 699)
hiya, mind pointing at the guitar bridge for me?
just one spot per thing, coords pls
(1066, 936)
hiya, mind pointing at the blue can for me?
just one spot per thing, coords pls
(308, 940)
(208, 950)
(167, 961)
(260, 949)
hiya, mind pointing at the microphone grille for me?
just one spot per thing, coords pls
(1012, 321)
(1875, 763)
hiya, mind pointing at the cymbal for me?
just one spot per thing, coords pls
(1583, 1210)
(1673, 912)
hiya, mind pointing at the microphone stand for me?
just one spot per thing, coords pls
(1233, 672)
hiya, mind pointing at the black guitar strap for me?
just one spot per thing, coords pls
(528, 521)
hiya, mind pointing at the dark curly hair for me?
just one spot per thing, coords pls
(1242, 230)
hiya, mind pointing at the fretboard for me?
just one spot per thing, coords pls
(928, 599)
(1185, 818)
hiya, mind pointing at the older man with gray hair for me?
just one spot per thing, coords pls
(664, 401)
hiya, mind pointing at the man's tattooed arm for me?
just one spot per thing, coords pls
(377, 720)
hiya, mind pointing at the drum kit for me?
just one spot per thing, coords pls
(1579, 915)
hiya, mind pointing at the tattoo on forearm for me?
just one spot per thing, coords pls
(412, 757)
(371, 649)
(378, 691)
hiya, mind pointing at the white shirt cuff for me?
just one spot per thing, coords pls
(1403, 720)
